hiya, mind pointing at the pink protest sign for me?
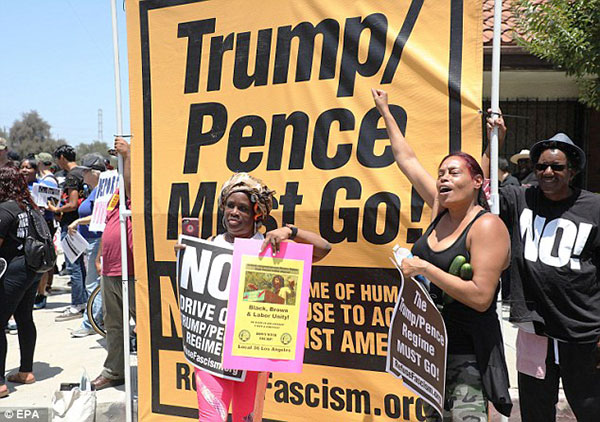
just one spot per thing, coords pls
(268, 306)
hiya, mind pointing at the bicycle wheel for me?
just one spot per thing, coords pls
(90, 305)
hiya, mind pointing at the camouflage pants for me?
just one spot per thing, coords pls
(465, 400)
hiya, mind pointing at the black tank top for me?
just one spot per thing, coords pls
(455, 314)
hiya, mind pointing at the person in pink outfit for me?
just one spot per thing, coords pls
(245, 202)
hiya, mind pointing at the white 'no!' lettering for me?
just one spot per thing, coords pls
(540, 239)
(203, 273)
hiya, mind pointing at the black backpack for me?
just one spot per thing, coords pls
(39, 251)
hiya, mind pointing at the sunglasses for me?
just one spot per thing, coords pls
(554, 167)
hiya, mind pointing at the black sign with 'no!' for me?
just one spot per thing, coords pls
(203, 270)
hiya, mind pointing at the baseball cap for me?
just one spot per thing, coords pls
(93, 161)
(44, 157)
(3, 143)
(560, 141)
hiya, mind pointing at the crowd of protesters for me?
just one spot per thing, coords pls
(23, 290)
(546, 248)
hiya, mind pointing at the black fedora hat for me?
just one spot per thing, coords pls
(560, 141)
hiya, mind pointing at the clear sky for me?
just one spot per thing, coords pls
(56, 57)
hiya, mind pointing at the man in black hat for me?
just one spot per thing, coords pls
(555, 291)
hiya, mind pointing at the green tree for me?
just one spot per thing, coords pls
(567, 34)
(95, 146)
(31, 135)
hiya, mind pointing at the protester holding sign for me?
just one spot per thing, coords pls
(92, 165)
(113, 373)
(245, 202)
(18, 283)
(476, 369)
(555, 292)
(46, 177)
(30, 169)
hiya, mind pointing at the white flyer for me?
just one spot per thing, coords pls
(42, 193)
(73, 246)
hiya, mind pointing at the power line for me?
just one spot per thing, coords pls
(100, 49)
(100, 126)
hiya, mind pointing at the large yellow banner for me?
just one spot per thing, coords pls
(281, 89)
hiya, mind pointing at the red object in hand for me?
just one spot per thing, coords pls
(190, 227)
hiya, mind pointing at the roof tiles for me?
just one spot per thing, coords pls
(508, 23)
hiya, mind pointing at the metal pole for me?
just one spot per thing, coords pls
(495, 103)
(122, 220)
(495, 100)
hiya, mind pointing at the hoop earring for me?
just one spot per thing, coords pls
(223, 222)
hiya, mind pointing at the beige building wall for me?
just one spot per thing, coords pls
(541, 84)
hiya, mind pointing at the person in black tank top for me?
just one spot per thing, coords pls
(476, 368)
(458, 341)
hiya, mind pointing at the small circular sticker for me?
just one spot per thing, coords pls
(244, 335)
(286, 338)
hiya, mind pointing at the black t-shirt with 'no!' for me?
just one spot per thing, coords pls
(555, 261)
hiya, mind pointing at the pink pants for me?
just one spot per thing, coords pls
(216, 394)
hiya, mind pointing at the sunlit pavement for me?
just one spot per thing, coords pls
(509, 332)
(60, 358)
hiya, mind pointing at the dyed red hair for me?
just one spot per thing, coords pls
(474, 170)
(471, 163)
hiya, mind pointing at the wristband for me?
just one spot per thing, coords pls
(294, 231)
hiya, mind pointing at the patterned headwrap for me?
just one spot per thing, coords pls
(260, 195)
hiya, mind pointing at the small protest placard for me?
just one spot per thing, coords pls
(203, 270)
(43, 193)
(268, 305)
(73, 245)
(417, 344)
(107, 185)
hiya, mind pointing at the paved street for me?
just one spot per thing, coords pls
(60, 358)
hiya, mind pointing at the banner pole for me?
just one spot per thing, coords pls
(495, 105)
(122, 219)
